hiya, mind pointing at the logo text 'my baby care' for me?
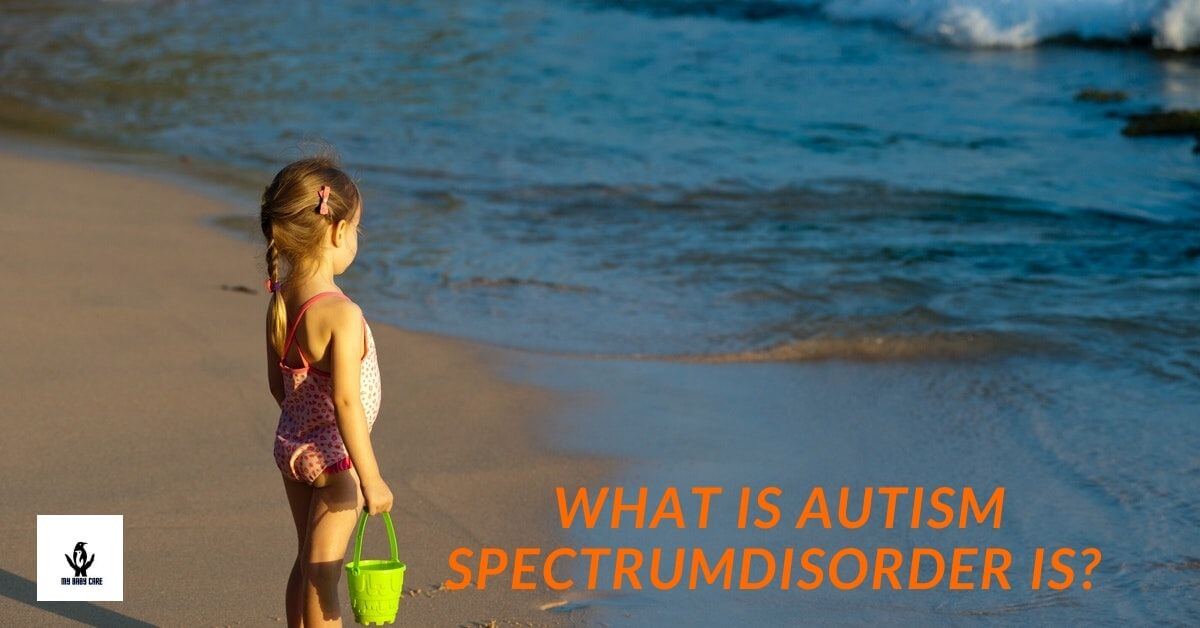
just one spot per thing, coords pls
(80, 557)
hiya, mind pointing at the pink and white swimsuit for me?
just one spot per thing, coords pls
(307, 440)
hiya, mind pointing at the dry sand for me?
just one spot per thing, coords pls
(134, 384)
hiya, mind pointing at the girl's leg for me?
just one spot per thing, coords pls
(299, 497)
(331, 520)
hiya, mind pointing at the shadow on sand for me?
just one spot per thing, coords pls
(23, 590)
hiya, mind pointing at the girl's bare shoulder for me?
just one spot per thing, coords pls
(336, 314)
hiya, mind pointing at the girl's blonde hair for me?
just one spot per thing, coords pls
(294, 228)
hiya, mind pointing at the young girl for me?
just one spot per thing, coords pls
(322, 370)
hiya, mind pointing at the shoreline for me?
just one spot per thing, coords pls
(169, 421)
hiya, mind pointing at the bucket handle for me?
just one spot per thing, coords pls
(362, 526)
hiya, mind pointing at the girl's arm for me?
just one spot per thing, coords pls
(274, 377)
(348, 344)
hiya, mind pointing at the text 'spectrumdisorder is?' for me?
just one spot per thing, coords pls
(753, 568)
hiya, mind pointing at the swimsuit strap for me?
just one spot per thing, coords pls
(292, 333)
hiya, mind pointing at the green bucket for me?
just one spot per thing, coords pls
(375, 585)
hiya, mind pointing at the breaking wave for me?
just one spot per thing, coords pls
(1163, 24)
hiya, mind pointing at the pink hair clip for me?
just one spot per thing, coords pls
(271, 286)
(323, 205)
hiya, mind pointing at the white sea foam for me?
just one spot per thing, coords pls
(1169, 24)
(1178, 26)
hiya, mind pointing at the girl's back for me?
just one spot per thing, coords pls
(307, 439)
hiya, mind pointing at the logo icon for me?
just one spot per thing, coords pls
(80, 540)
(80, 561)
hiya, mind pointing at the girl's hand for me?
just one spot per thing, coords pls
(378, 496)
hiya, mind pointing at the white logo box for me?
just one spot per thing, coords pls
(103, 546)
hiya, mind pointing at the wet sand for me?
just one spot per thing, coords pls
(134, 385)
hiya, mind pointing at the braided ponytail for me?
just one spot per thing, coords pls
(277, 308)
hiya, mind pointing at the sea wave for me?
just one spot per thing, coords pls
(1163, 24)
(511, 282)
(880, 348)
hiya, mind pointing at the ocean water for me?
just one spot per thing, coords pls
(822, 202)
(738, 181)
(1085, 459)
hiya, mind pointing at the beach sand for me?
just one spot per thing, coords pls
(135, 385)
